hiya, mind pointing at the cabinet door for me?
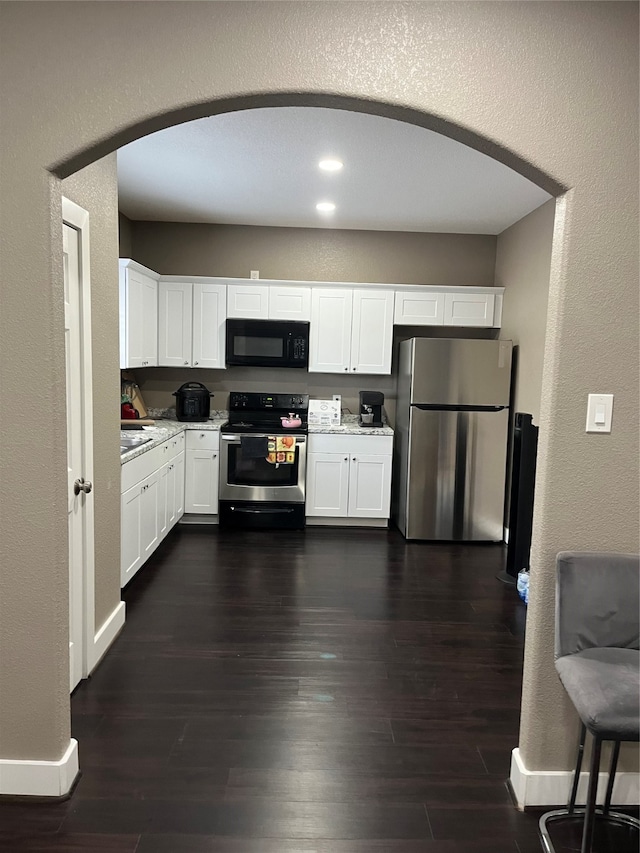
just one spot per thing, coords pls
(469, 309)
(330, 334)
(289, 303)
(130, 552)
(149, 494)
(178, 463)
(209, 315)
(419, 309)
(171, 495)
(327, 484)
(175, 317)
(369, 486)
(148, 322)
(163, 501)
(250, 301)
(372, 331)
(201, 482)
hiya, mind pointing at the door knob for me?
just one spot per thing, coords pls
(82, 485)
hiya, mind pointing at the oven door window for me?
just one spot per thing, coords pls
(244, 471)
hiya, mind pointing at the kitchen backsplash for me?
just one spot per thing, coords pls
(157, 385)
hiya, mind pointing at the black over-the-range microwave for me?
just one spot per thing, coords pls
(267, 343)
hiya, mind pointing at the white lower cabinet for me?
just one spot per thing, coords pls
(327, 492)
(202, 472)
(151, 503)
(349, 476)
(130, 539)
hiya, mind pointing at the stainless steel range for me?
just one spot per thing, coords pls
(263, 455)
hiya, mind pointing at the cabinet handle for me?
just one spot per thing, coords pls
(196, 362)
(346, 368)
(186, 362)
(354, 368)
(354, 459)
(346, 458)
(214, 455)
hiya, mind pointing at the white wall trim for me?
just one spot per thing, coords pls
(106, 635)
(552, 787)
(40, 778)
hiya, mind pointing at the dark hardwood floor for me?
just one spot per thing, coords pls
(332, 691)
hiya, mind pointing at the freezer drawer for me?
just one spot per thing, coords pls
(455, 486)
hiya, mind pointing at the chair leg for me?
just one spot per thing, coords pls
(612, 775)
(590, 812)
(576, 775)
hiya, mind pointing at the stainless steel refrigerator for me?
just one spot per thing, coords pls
(451, 438)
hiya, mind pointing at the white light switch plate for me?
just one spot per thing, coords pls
(599, 412)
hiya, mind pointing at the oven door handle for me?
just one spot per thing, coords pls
(300, 439)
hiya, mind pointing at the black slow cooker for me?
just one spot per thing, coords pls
(193, 402)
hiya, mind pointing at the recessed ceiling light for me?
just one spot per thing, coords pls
(325, 206)
(330, 165)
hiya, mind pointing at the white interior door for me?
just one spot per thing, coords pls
(79, 439)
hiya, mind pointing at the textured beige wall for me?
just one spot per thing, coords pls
(539, 85)
(124, 236)
(95, 189)
(314, 254)
(523, 263)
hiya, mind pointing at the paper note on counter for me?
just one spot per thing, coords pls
(324, 413)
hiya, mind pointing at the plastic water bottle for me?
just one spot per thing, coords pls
(523, 585)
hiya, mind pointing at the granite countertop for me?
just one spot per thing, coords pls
(165, 428)
(350, 426)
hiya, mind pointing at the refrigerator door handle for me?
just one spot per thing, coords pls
(435, 407)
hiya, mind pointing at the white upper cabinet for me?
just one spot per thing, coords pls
(191, 324)
(419, 309)
(269, 301)
(138, 315)
(330, 333)
(351, 330)
(372, 331)
(248, 301)
(209, 315)
(289, 303)
(175, 310)
(469, 309)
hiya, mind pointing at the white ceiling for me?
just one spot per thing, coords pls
(259, 167)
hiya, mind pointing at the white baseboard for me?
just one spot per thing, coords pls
(106, 635)
(40, 778)
(552, 787)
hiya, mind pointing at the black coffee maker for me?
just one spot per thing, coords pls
(371, 403)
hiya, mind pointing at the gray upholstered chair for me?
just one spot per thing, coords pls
(597, 659)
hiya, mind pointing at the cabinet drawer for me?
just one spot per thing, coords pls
(380, 445)
(176, 445)
(203, 439)
(142, 466)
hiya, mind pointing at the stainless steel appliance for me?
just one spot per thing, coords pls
(263, 462)
(451, 438)
(267, 343)
(371, 403)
